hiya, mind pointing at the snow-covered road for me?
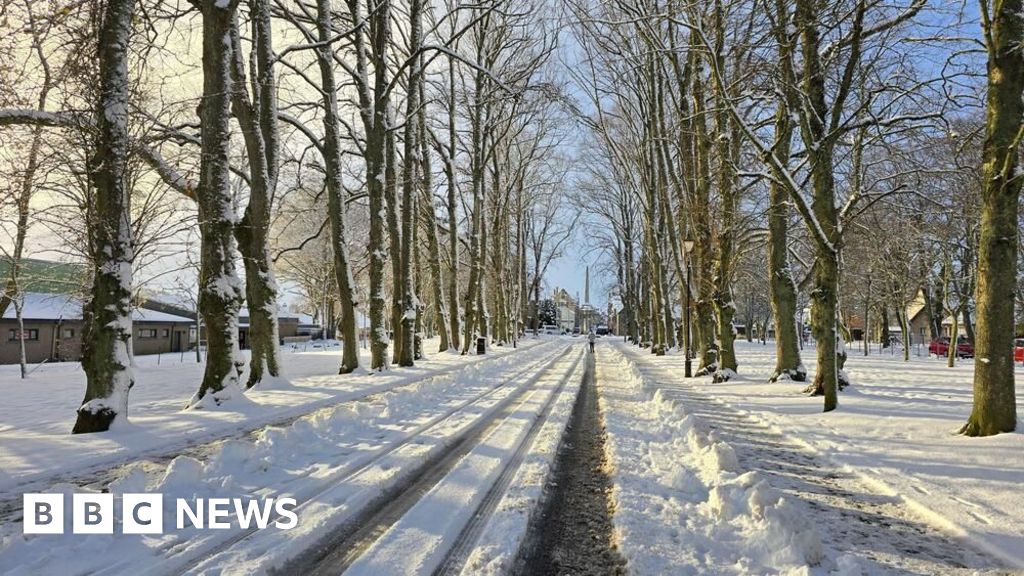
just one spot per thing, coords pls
(342, 464)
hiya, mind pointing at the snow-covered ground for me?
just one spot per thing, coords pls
(335, 462)
(36, 414)
(682, 504)
(896, 429)
(692, 495)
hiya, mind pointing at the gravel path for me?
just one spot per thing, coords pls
(573, 533)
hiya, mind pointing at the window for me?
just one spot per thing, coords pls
(165, 333)
(147, 333)
(68, 333)
(30, 334)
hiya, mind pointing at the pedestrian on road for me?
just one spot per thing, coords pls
(590, 338)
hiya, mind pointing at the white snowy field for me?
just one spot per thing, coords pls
(895, 428)
(37, 413)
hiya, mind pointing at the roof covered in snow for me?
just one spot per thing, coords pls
(40, 306)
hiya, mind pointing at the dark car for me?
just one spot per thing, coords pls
(940, 347)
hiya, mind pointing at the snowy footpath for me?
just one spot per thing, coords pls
(886, 483)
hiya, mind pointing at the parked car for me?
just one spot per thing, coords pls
(940, 347)
(1018, 350)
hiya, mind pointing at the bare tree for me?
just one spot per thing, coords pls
(995, 406)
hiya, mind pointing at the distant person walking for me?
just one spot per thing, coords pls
(590, 338)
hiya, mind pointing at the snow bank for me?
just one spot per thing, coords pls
(682, 504)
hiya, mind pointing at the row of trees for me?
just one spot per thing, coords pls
(407, 158)
(836, 152)
(396, 157)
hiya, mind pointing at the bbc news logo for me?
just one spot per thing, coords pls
(143, 513)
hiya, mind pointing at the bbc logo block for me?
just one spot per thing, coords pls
(143, 513)
(93, 513)
(44, 513)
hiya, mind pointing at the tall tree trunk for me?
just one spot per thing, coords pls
(728, 152)
(825, 296)
(392, 208)
(951, 352)
(905, 329)
(781, 287)
(995, 404)
(885, 326)
(453, 219)
(258, 122)
(220, 293)
(700, 218)
(335, 191)
(478, 217)
(482, 310)
(500, 259)
(429, 219)
(410, 167)
(19, 316)
(865, 337)
(108, 320)
(374, 109)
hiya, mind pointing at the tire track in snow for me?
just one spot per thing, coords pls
(198, 560)
(362, 533)
(460, 551)
(572, 533)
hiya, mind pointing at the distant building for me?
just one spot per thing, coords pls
(53, 293)
(917, 317)
(53, 328)
(565, 310)
(309, 327)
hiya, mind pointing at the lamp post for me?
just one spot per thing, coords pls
(687, 247)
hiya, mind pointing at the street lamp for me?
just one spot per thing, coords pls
(687, 248)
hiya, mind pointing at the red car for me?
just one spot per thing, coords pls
(1018, 350)
(940, 347)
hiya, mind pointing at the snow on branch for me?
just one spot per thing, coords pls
(26, 117)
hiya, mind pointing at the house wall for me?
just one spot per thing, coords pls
(68, 347)
(919, 331)
(287, 327)
(170, 337)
